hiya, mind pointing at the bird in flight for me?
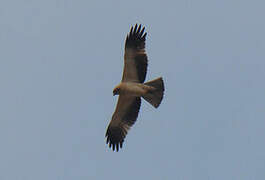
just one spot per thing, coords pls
(132, 88)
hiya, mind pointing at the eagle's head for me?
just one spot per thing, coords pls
(116, 91)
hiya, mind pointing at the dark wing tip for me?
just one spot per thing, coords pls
(116, 134)
(115, 137)
(136, 37)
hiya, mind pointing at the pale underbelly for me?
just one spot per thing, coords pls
(135, 89)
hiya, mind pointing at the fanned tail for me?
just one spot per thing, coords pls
(155, 96)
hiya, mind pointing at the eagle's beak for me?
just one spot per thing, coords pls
(114, 93)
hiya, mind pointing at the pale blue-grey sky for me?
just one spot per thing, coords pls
(60, 59)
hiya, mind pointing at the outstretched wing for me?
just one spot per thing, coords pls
(123, 118)
(135, 59)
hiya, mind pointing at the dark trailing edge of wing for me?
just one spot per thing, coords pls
(116, 135)
(132, 113)
(136, 41)
(141, 66)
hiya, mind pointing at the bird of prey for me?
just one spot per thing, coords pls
(132, 88)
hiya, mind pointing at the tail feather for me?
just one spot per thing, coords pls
(154, 97)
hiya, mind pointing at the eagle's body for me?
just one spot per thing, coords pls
(132, 88)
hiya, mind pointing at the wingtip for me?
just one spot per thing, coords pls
(131, 30)
(135, 29)
(136, 36)
(115, 138)
(115, 146)
(139, 28)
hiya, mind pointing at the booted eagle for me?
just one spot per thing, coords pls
(132, 88)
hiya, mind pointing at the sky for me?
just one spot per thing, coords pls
(60, 60)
